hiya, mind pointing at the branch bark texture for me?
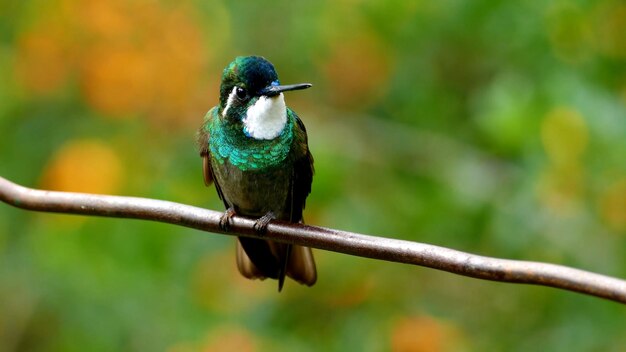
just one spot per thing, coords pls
(440, 258)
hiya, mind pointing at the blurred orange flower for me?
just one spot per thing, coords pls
(142, 58)
(424, 334)
(84, 166)
(358, 70)
(226, 338)
(43, 63)
(231, 339)
(129, 58)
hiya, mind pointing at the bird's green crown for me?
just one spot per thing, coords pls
(252, 73)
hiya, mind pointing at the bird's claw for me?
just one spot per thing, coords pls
(260, 225)
(226, 218)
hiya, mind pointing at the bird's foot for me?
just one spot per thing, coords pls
(226, 218)
(260, 225)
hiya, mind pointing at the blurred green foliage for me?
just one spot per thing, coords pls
(492, 127)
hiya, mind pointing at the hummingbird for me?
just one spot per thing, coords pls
(255, 151)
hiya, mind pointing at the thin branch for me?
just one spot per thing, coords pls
(504, 270)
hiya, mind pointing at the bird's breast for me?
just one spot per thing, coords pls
(255, 192)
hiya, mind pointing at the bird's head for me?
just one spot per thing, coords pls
(251, 94)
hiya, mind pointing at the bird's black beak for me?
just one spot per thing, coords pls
(272, 90)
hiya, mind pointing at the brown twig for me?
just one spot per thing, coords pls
(393, 250)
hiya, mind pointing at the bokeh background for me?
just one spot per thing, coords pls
(493, 127)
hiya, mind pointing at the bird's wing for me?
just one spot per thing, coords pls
(302, 176)
(203, 147)
(203, 139)
(300, 264)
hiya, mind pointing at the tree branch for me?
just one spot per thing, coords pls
(504, 270)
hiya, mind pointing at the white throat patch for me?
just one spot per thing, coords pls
(266, 118)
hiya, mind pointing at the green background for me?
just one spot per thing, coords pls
(492, 127)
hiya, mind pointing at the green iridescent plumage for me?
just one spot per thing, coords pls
(229, 142)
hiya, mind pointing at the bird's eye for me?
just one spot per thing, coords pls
(241, 93)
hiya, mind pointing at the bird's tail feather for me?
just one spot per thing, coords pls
(259, 259)
(301, 265)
